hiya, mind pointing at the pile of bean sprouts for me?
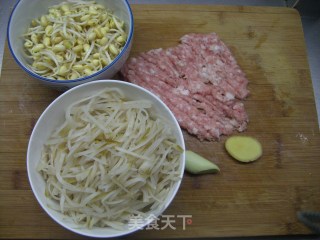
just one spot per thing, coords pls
(75, 39)
(110, 160)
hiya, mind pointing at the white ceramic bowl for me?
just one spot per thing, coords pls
(54, 116)
(26, 10)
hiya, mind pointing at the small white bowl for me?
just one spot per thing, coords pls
(54, 116)
(26, 10)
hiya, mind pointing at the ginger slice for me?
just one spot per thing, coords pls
(243, 148)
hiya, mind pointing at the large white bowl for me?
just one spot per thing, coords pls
(54, 116)
(26, 10)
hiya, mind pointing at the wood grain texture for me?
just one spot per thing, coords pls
(261, 198)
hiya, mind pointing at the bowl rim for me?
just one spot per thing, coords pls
(124, 49)
(29, 158)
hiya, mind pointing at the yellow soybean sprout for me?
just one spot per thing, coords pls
(75, 39)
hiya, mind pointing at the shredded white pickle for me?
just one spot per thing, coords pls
(109, 160)
(75, 39)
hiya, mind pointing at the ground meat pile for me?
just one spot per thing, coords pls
(199, 80)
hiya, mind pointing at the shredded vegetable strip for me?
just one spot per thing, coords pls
(108, 161)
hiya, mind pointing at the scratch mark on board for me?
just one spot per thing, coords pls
(302, 138)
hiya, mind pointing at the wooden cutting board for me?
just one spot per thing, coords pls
(260, 198)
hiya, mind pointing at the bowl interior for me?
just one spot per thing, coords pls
(53, 116)
(26, 10)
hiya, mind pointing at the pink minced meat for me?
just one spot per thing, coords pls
(199, 80)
